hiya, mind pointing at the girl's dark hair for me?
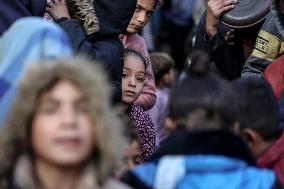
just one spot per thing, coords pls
(198, 63)
(130, 51)
(204, 97)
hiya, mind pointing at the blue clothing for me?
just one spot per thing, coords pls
(28, 39)
(11, 10)
(203, 172)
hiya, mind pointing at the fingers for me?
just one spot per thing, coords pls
(217, 7)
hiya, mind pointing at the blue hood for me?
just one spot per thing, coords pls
(28, 39)
(203, 172)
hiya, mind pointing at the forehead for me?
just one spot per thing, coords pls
(63, 88)
(134, 62)
(147, 4)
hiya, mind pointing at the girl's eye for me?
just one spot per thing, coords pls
(124, 75)
(140, 79)
(138, 9)
(48, 109)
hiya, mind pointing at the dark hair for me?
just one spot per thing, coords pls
(198, 63)
(130, 51)
(203, 101)
(257, 107)
(162, 63)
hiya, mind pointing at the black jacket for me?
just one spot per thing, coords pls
(228, 58)
(104, 45)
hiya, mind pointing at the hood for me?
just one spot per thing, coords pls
(103, 17)
(28, 39)
(203, 172)
(11, 11)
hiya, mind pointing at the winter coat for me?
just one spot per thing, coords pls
(23, 178)
(104, 45)
(201, 160)
(269, 46)
(145, 128)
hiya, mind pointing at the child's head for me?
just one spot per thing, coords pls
(163, 68)
(62, 115)
(133, 76)
(258, 112)
(202, 101)
(134, 156)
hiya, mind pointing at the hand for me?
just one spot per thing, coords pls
(214, 9)
(57, 9)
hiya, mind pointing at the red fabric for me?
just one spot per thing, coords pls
(274, 159)
(274, 74)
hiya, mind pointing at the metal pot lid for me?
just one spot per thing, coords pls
(246, 13)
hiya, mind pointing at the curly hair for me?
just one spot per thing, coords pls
(108, 133)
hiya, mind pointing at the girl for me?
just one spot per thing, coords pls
(133, 77)
(61, 131)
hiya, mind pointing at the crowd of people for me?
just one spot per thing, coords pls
(146, 94)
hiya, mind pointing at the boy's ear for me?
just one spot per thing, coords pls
(170, 124)
(250, 136)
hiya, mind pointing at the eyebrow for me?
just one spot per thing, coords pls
(143, 8)
(131, 70)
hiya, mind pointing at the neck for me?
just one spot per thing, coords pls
(53, 177)
(263, 147)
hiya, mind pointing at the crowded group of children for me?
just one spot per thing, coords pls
(84, 105)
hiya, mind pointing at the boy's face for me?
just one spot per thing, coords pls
(135, 157)
(133, 77)
(141, 16)
(62, 130)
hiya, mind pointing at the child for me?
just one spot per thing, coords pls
(163, 66)
(202, 151)
(134, 73)
(61, 131)
(259, 123)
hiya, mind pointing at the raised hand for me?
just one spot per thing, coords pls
(57, 9)
(214, 10)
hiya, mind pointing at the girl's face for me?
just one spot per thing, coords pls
(132, 78)
(62, 130)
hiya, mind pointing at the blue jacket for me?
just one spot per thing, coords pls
(201, 160)
(28, 39)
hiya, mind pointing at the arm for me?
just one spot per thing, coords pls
(269, 45)
(227, 56)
